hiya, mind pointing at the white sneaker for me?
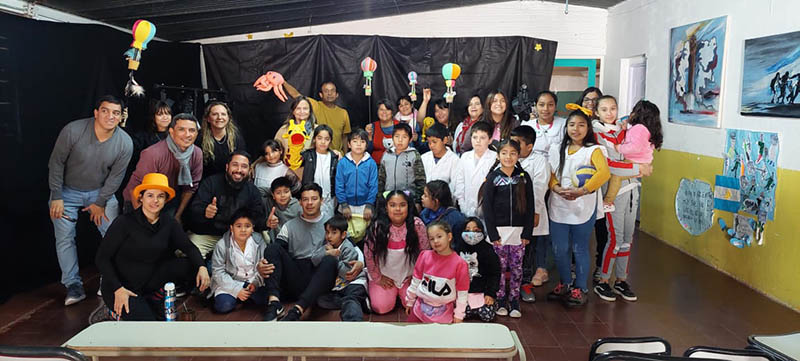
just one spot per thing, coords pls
(501, 311)
(608, 208)
(515, 314)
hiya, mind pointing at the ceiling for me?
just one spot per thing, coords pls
(180, 20)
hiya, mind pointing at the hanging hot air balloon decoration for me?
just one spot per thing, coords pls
(143, 31)
(450, 72)
(368, 66)
(412, 80)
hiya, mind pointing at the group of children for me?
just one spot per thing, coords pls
(488, 211)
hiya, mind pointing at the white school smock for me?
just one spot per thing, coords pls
(547, 136)
(577, 211)
(445, 169)
(472, 173)
(539, 170)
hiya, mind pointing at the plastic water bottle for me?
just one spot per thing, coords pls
(170, 310)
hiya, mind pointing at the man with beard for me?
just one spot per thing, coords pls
(176, 157)
(219, 197)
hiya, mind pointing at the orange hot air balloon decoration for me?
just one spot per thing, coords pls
(368, 66)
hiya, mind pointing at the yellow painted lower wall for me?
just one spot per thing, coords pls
(773, 268)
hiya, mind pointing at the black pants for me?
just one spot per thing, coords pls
(528, 262)
(149, 303)
(298, 278)
(601, 236)
(350, 300)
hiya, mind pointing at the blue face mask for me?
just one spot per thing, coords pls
(472, 238)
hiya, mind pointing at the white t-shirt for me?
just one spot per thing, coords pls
(322, 174)
(266, 173)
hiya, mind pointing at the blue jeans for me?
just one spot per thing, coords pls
(67, 252)
(561, 234)
(224, 303)
(542, 246)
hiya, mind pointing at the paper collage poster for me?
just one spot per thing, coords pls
(752, 158)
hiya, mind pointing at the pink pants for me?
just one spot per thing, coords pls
(382, 300)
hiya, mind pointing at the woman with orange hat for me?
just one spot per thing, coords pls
(137, 256)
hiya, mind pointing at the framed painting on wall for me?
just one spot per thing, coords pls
(696, 63)
(771, 76)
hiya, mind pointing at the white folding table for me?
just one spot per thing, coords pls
(298, 339)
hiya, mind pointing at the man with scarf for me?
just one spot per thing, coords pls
(219, 197)
(176, 157)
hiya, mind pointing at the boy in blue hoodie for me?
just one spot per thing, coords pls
(357, 184)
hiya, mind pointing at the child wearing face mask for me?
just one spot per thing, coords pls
(484, 271)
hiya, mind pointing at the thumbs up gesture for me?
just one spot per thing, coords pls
(211, 209)
(272, 219)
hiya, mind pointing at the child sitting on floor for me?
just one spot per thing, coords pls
(350, 292)
(235, 278)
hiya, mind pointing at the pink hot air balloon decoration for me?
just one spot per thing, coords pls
(368, 66)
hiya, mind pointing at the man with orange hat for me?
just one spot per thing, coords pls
(86, 167)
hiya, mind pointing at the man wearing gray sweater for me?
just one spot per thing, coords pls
(295, 264)
(86, 167)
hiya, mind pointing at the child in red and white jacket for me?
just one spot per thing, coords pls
(440, 284)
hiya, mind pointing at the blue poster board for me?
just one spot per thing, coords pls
(752, 157)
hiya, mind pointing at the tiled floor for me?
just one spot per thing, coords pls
(680, 299)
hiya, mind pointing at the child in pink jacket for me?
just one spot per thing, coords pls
(641, 138)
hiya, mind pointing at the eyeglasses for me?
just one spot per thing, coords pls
(590, 100)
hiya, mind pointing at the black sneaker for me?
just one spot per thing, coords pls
(514, 312)
(623, 289)
(596, 277)
(576, 298)
(558, 293)
(605, 292)
(294, 314)
(274, 308)
(502, 307)
(75, 294)
(100, 314)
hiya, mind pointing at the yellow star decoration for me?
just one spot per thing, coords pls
(538, 47)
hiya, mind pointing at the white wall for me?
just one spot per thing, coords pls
(642, 27)
(40, 12)
(581, 33)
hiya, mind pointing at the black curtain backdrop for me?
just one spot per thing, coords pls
(487, 63)
(57, 72)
